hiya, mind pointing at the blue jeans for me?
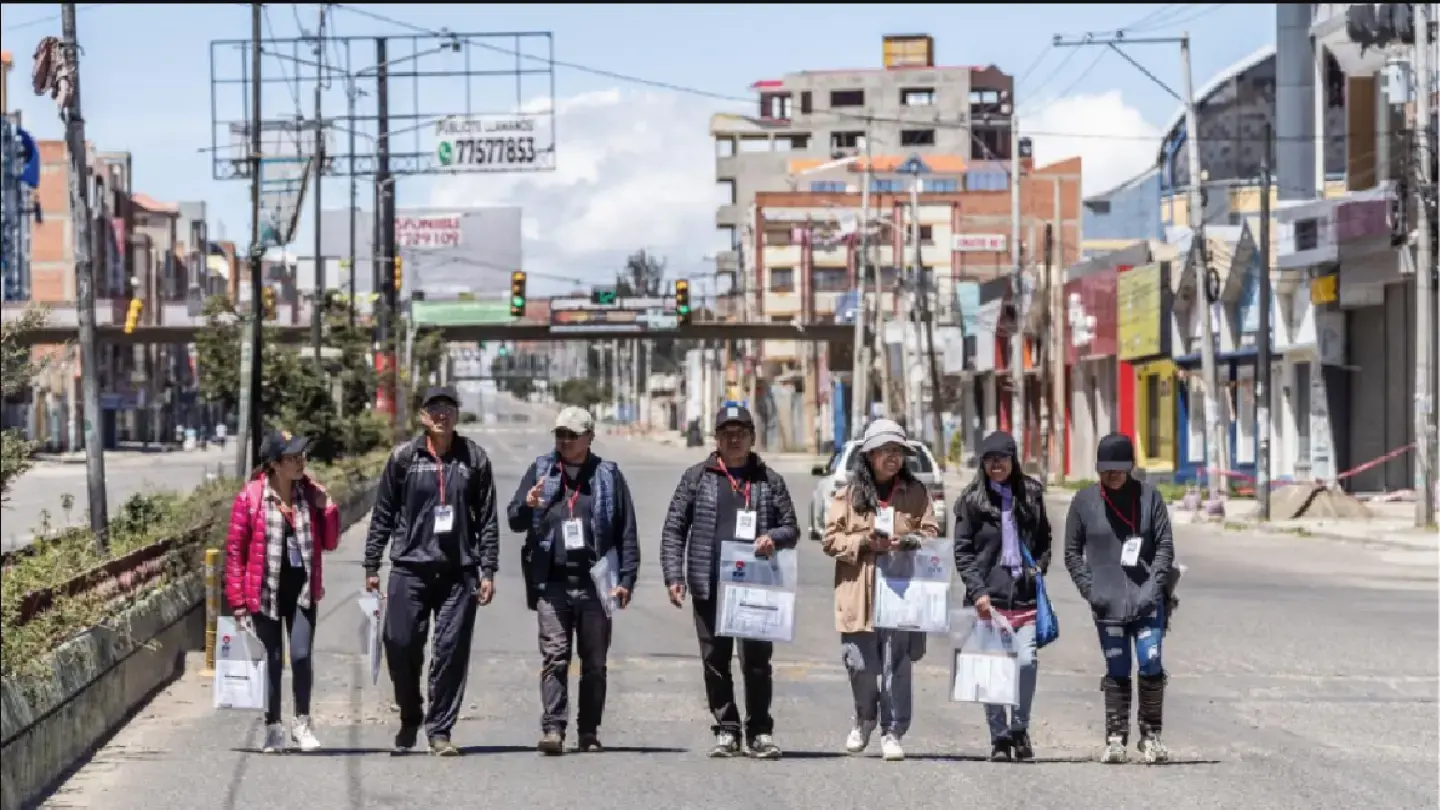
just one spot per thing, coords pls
(1018, 718)
(1145, 635)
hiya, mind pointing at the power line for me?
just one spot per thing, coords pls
(53, 17)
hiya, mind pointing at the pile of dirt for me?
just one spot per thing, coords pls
(1307, 501)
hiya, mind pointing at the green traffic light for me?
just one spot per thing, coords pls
(683, 310)
(517, 301)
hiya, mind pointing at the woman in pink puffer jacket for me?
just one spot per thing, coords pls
(274, 574)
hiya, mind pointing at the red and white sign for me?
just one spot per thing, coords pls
(979, 243)
(432, 231)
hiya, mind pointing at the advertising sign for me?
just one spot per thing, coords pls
(428, 231)
(1142, 312)
(979, 243)
(643, 314)
(495, 143)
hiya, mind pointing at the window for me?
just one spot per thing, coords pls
(941, 185)
(830, 279)
(805, 103)
(725, 192)
(1152, 415)
(778, 235)
(1307, 234)
(847, 140)
(917, 137)
(775, 105)
(725, 238)
(750, 146)
(782, 279)
(847, 98)
(887, 185)
(989, 103)
(917, 97)
(828, 186)
(990, 143)
(1098, 206)
(724, 147)
(987, 180)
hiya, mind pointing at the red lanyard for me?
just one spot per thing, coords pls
(894, 490)
(439, 469)
(735, 485)
(1135, 526)
(570, 499)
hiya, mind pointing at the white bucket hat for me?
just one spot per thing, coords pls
(882, 432)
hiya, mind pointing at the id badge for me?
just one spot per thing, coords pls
(745, 525)
(1130, 552)
(574, 533)
(296, 560)
(444, 519)
(885, 520)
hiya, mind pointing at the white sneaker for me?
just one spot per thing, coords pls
(274, 739)
(303, 736)
(1153, 751)
(859, 738)
(1114, 752)
(890, 748)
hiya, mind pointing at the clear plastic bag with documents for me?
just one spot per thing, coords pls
(985, 668)
(912, 587)
(757, 596)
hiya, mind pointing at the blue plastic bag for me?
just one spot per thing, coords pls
(1047, 626)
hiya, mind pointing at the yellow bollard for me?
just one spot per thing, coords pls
(212, 606)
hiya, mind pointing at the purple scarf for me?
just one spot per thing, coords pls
(1009, 530)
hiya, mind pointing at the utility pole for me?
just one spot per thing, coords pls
(1262, 374)
(317, 309)
(913, 385)
(1217, 439)
(350, 91)
(385, 351)
(859, 378)
(937, 421)
(1017, 294)
(248, 441)
(1425, 437)
(1049, 346)
(1055, 250)
(83, 230)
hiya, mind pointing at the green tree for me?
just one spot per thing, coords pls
(17, 369)
(581, 393)
(217, 354)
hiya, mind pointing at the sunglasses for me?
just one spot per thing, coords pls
(566, 436)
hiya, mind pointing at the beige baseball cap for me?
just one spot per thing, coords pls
(575, 420)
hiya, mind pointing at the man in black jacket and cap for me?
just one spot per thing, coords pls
(435, 507)
(730, 497)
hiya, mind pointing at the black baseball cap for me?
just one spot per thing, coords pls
(1116, 453)
(733, 413)
(278, 444)
(436, 393)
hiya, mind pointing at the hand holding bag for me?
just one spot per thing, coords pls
(1047, 626)
(985, 668)
(240, 666)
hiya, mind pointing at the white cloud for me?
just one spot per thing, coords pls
(633, 170)
(1114, 140)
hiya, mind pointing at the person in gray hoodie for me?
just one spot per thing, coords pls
(1119, 551)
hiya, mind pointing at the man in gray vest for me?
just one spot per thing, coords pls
(576, 512)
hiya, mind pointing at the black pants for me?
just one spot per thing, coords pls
(300, 625)
(413, 598)
(571, 614)
(715, 654)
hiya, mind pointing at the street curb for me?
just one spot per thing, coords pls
(1400, 543)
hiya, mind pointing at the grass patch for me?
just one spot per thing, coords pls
(61, 555)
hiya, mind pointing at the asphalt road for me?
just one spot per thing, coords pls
(1303, 675)
(43, 488)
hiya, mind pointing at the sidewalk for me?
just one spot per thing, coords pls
(132, 451)
(1388, 523)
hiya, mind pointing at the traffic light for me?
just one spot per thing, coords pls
(517, 294)
(267, 302)
(399, 276)
(682, 300)
(132, 318)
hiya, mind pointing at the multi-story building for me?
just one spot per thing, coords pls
(908, 106)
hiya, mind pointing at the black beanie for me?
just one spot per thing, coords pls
(999, 443)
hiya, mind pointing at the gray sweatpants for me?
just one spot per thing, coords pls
(879, 666)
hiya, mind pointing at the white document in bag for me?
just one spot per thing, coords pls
(985, 669)
(605, 573)
(372, 618)
(757, 595)
(912, 588)
(240, 670)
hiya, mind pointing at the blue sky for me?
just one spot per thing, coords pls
(622, 146)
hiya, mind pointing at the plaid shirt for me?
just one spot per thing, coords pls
(275, 550)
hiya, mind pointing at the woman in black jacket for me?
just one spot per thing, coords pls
(1120, 553)
(1001, 509)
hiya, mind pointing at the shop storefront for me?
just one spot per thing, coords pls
(1146, 377)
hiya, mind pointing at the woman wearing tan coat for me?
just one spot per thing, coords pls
(882, 508)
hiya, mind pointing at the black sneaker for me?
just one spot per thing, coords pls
(552, 744)
(441, 746)
(1021, 747)
(1002, 749)
(590, 744)
(406, 738)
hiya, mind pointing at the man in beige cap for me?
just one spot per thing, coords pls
(575, 509)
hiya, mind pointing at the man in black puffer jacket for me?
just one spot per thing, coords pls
(730, 497)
